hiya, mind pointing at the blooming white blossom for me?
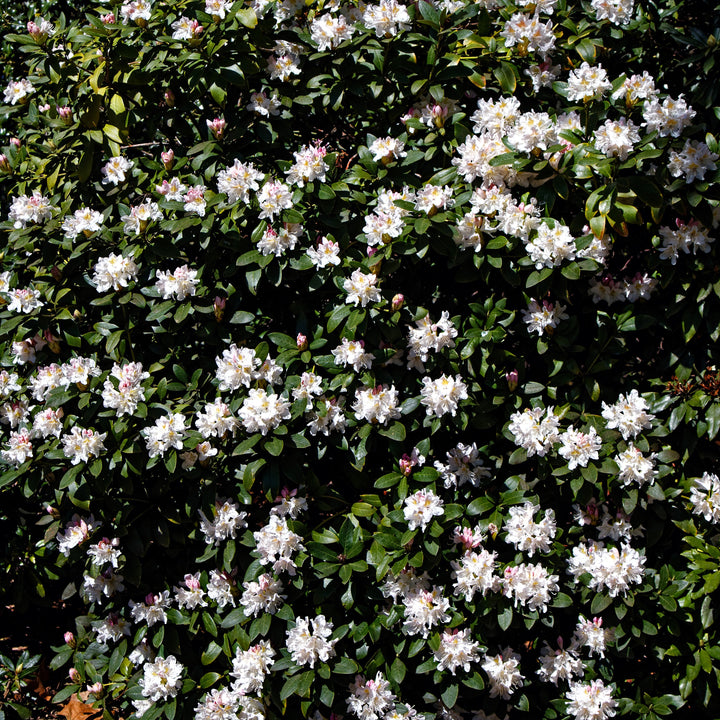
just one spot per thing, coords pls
(421, 507)
(530, 585)
(262, 411)
(475, 574)
(545, 317)
(83, 443)
(85, 220)
(327, 32)
(591, 634)
(428, 338)
(587, 83)
(168, 432)
(386, 18)
(370, 699)
(670, 117)
(551, 246)
(33, 208)
(137, 220)
(261, 104)
(692, 161)
(276, 543)
(628, 415)
(308, 641)
(617, 138)
(180, 283)
(442, 396)
(457, 650)
(352, 352)
(609, 568)
(273, 198)
(162, 679)
(618, 12)
(705, 497)
(114, 170)
(326, 253)
(560, 664)
(17, 90)
(526, 534)
(578, 448)
(503, 673)
(251, 666)
(76, 532)
(105, 551)
(309, 165)
(20, 448)
(237, 180)
(129, 393)
(192, 595)
(227, 521)
(535, 429)
(530, 32)
(220, 588)
(361, 289)
(262, 595)
(376, 405)
(464, 466)
(593, 701)
(114, 271)
(635, 467)
(424, 610)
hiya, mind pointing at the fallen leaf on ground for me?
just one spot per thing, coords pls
(75, 709)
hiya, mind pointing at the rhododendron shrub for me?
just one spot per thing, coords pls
(359, 360)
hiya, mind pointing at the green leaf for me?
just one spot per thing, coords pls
(450, 696)
(297, 685)
(506, 75)
(396, 432)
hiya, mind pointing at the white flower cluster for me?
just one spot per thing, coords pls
(526, 534)
(442, 396)
(168, 432)
(609, 568)
(543, 318)
(227, 520)
(457, 650)
(593, 701)
(35, 209)
(464, 465)
(428, 337)
(179, 283)
(114, 271)
(629, 415)
(376, 405)
(162, 679)
(277, 543)
(529, 585)
(705, 497)
(503, 673)
(262, 595)
(421, 507)
(535, 429)
(578, 448)
(128, 393)
(251, 666)
(308, 641)
(475, 574)
(237, 180)
(370, 699)
(640, 286)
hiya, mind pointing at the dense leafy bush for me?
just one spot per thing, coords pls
(360, 360)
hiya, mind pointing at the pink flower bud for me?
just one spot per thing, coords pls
(56, 273)
(217, 127)
(170, 98)
(406, 465)
(219, 307)
(95, 688)
(168, 158)
(65, 114)
(301, 341)
(371, 251)
(108, 19)
(493, 530)
(16, 142)
(74, 675)
(512, 380)
(44, 108)
(4, 163)
(398, 301)
(69, 639)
